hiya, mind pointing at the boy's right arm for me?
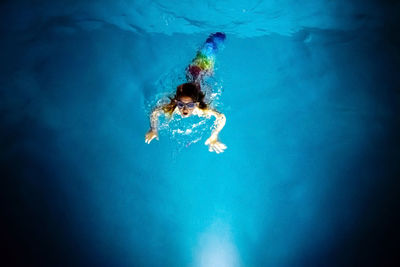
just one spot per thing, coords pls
(153, 132)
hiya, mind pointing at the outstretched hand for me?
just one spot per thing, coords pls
(150, 135)
(214, 145)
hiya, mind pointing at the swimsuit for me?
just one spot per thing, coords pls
(203, 64)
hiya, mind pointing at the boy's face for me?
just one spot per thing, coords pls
(186, 106)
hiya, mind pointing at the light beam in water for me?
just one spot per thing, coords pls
(216, 248)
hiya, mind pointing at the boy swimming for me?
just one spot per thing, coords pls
(189, 99)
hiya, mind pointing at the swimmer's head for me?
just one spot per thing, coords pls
(186, 105)
(188, 96)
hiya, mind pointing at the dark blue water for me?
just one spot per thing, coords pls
(309, 178)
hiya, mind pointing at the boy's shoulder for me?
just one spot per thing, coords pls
(202, 112)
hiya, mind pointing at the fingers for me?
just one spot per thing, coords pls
(222, 146)
(217, 147)
(149, 138)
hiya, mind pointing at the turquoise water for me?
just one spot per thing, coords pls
(310, 93)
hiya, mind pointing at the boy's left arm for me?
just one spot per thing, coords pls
(213, 143)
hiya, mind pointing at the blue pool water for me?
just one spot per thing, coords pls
(311, 96)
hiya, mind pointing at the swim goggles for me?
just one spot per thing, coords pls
(189, 105)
